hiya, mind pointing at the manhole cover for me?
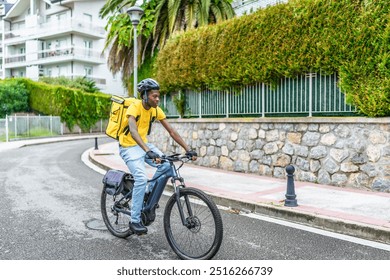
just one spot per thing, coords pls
(96, 224)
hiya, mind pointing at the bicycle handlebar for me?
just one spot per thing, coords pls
(174, 157)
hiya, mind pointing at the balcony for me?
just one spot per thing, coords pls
(71, 54)
(54, 29)
(16, 60)
(51, 56)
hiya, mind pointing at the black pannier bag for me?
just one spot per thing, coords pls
(117, 181)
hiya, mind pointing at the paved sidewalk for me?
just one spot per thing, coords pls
(358, 213)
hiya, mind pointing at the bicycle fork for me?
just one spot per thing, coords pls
(185, 221)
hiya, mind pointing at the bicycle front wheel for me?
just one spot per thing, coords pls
(201, 236)
(116, 221)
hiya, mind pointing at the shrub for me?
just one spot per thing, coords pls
(13, 97)
(82, 83)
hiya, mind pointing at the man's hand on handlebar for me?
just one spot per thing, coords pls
(192, 155)
(153, 156)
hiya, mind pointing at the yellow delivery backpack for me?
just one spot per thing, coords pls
(118, 123)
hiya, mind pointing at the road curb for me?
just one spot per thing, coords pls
(364, 231)
(46, 140)
(97, 163)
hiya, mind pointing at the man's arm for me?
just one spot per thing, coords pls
(134, 133)
(137, 138)
(173, 133)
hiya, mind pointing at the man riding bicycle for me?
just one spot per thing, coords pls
(135, 149)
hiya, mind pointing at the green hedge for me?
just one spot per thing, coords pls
(75, 107)
(13, 97)
(350, 37)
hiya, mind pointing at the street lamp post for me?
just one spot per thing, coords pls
(135, 14)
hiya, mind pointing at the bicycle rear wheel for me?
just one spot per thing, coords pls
(116, 222)
(202, 237)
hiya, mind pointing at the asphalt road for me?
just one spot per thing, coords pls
(50, 198)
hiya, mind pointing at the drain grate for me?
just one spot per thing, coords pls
(96, 224)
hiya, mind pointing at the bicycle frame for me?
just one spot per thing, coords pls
(159, 183)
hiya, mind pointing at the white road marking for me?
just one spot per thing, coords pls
(356, 240)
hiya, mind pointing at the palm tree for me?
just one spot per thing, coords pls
(179, 15)
(161, 19)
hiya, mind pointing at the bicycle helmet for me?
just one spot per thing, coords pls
(146, 85)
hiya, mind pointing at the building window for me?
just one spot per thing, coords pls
(17, 25)
(41, 71)
(88, 44)
(59, 18)
(88, 48)
(87, 71)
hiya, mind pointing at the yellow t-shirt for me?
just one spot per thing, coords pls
(144, 119)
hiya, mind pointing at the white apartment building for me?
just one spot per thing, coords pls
(242, 7)
(55, 38)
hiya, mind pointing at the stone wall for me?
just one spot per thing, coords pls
(346, 152)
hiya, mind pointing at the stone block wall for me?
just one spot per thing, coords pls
(345, 152)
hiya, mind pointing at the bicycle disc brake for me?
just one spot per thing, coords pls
(193, 224)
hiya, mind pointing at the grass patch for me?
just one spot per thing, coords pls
(33, 133)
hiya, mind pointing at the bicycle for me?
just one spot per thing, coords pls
(192, 222)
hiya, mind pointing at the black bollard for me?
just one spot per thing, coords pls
(290, 195)
(96, 144)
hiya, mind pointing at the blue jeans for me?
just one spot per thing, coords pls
(134, 157)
